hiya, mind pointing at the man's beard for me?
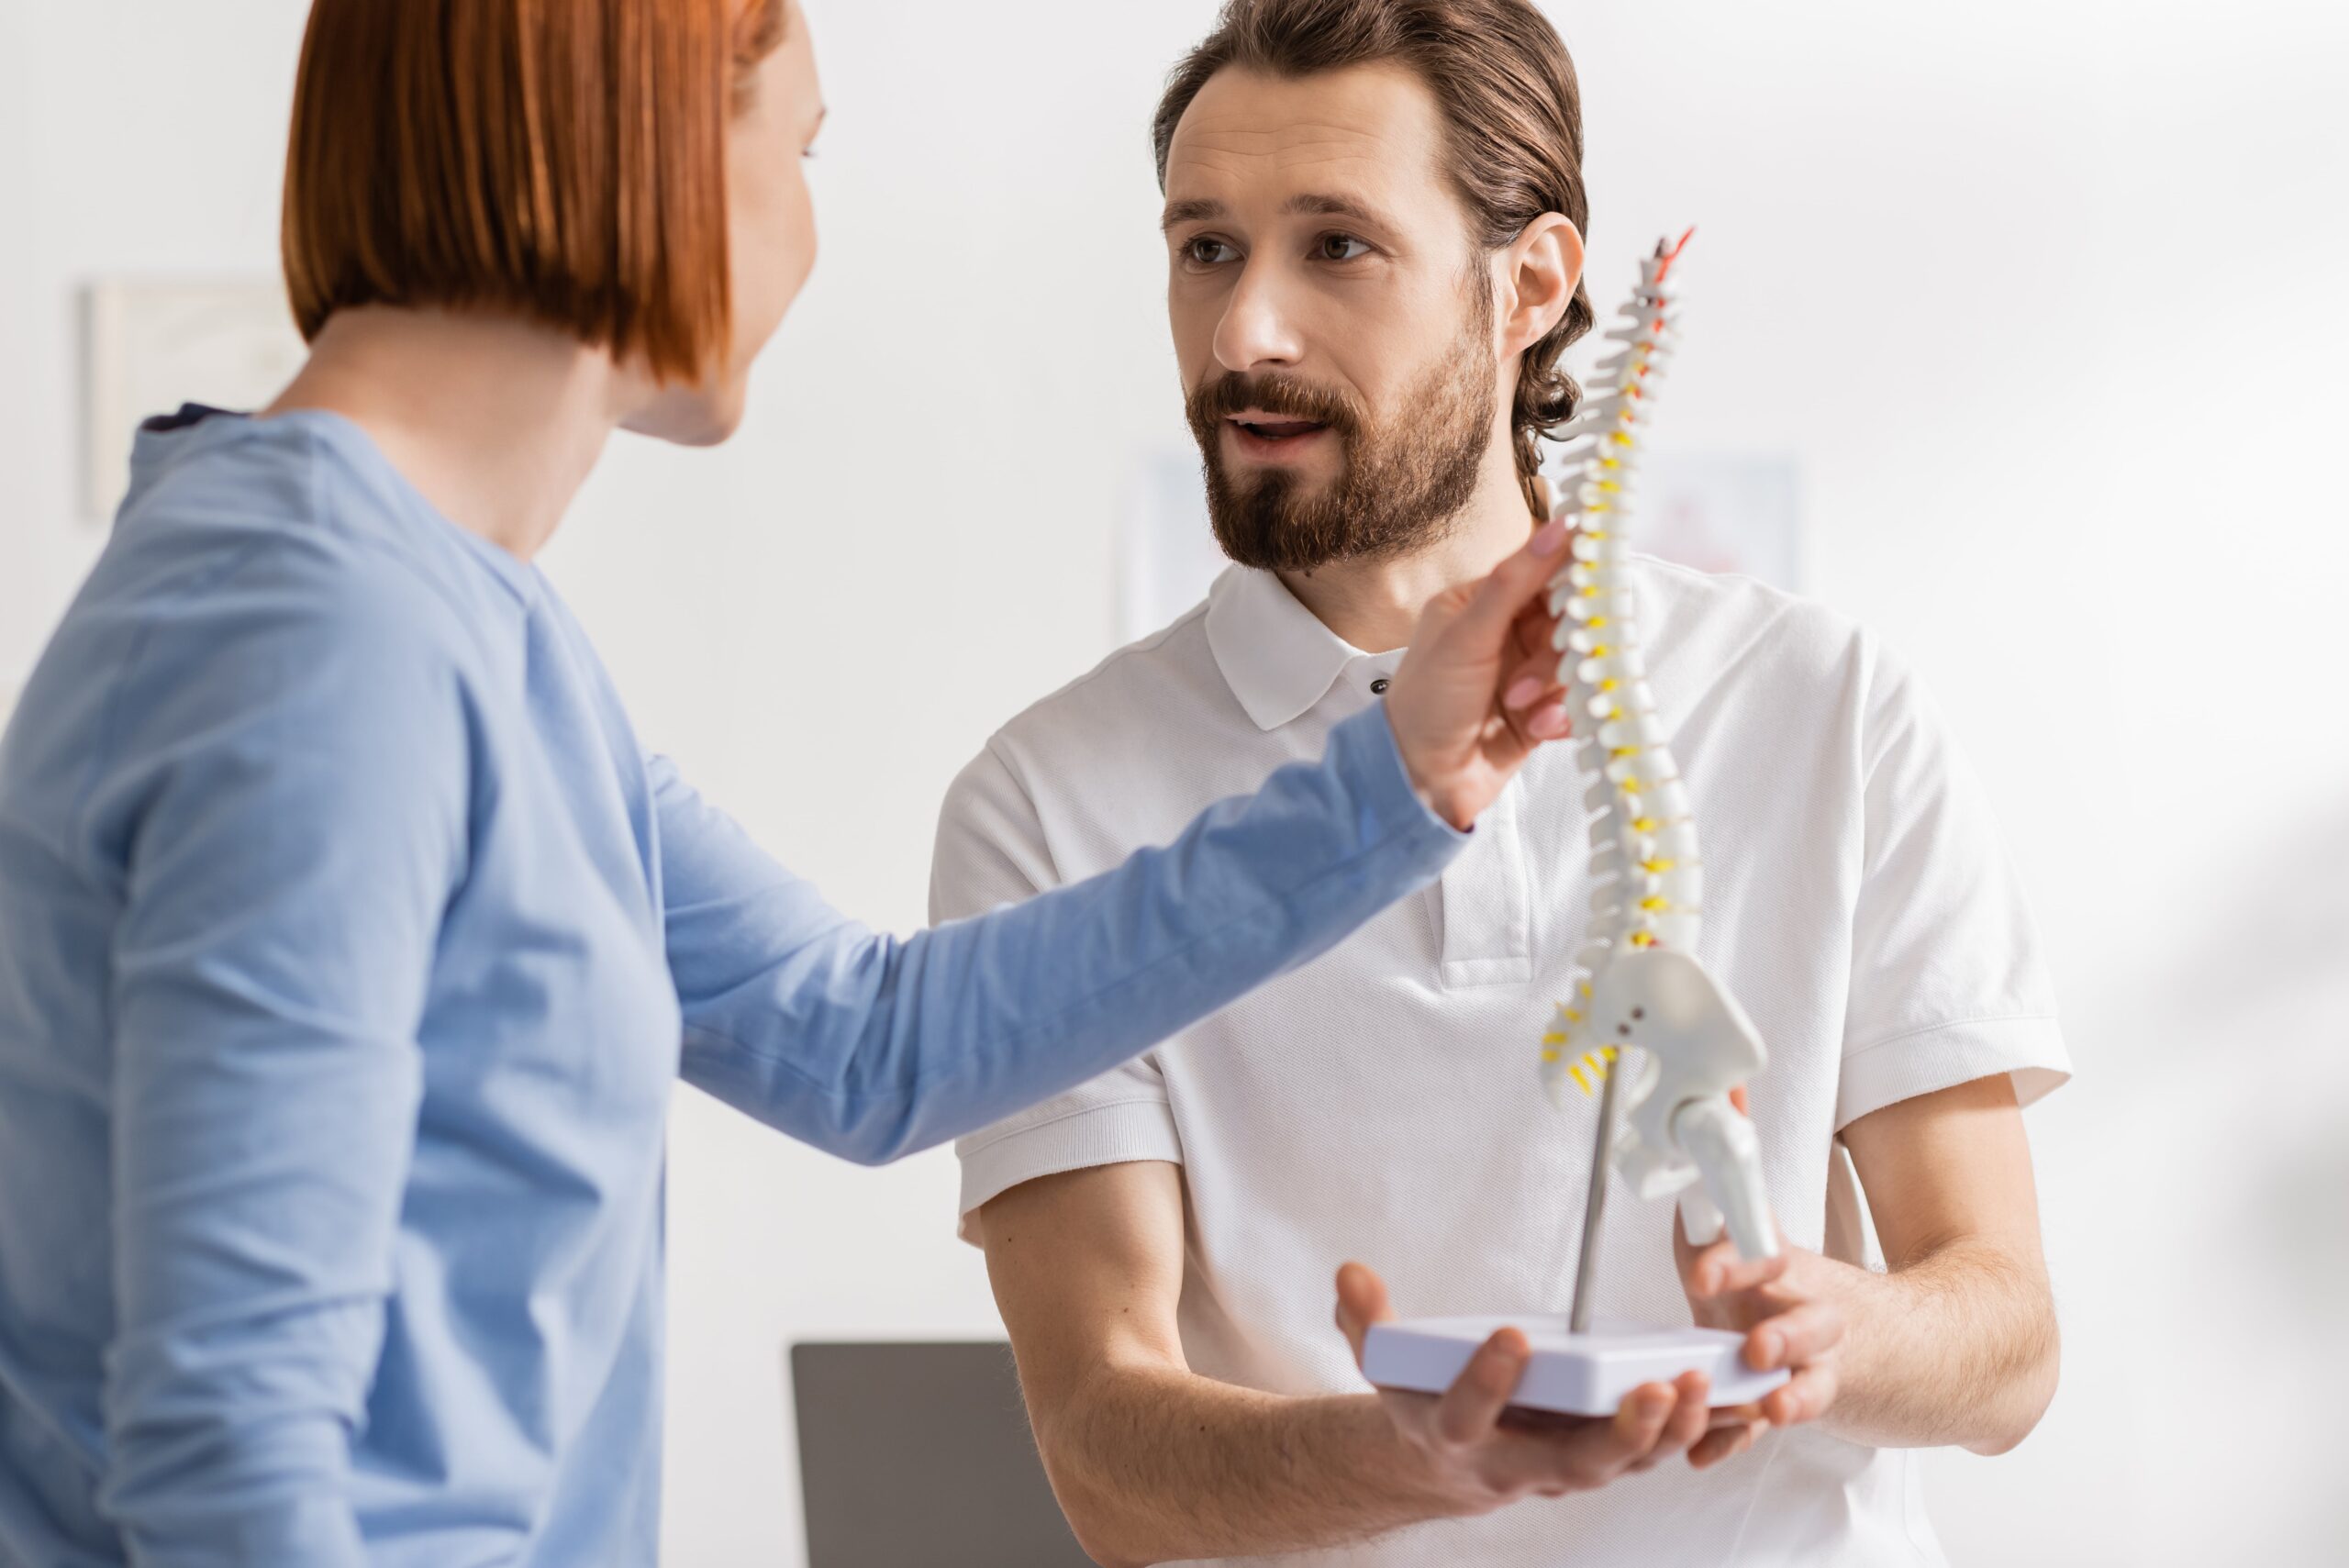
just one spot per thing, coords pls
(1402, 480)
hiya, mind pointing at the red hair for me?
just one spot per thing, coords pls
(560, 160)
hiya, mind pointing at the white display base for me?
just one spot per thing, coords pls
(1579, 1375)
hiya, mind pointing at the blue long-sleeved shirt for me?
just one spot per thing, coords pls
(349, 947)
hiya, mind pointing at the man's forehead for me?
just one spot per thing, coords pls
(1371, 131)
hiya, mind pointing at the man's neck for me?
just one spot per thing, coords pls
(495, 421)
(1374, 605)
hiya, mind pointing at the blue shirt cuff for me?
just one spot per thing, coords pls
(1363, 753)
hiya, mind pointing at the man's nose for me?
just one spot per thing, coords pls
(1256, 331)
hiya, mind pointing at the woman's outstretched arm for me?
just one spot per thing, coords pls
(872, 1047)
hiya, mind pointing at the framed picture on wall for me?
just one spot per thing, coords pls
(151, 344)
(1724, 512)
(1167, 557)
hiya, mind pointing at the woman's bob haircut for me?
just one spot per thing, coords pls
(563, 160)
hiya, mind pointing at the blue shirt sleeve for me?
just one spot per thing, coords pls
(284, 787)
(872, 1047)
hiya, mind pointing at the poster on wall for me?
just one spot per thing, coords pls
(1167, 557)
(151, 344)
(1717, 512)
(1726, 513)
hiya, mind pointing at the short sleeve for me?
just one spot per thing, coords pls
(991, 850)
(1949, 981)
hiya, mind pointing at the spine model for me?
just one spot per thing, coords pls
(1637, 981)
(1648, 880)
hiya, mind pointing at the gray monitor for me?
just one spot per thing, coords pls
(919, 1456)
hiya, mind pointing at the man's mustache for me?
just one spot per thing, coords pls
(1282, 396)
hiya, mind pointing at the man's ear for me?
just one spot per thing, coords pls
(1538, 272)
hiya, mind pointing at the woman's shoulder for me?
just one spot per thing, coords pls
(254, 660)
(256, 582)
(233, 526)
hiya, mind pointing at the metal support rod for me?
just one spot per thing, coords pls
(1602, 1160)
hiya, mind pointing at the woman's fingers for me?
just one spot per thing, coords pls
(1523, 635)
(1532, 697)
(1529, 680)
(1529, 685)
(1538, 715)
(1512, 585)
(1549, 722)
(1533, 703)
(1459, 743)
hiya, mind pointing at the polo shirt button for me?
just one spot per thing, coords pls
(1378, 687)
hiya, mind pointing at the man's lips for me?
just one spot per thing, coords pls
(1259, 434)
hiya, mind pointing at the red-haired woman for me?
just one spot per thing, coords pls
(348, 945)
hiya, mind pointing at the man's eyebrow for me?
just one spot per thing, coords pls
(1194, 209)
(1336, 207)
(1200, 210)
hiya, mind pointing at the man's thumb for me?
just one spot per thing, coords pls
(1362, 1301)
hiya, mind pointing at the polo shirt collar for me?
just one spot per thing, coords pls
(1276, 654)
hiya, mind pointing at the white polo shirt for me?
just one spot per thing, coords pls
(1383, 1103)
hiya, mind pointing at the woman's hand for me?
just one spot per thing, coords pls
(1478, 690)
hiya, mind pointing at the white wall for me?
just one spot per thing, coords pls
(2043, 293)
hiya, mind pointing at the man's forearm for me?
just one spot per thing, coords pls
(1154, 1463)
(1957, 1347)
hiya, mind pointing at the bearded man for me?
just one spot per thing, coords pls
(1373, 223)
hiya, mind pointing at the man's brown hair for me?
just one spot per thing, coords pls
(560, 160)
(1513, 113)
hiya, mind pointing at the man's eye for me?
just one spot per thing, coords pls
(1339, 248)
(1207, 252)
